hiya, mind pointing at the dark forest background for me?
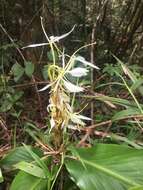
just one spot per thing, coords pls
(117, 28)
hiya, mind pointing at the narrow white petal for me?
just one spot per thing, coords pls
(57, 38)
(52, 123)
(76, 120)
(63, 58)
(78, 72)
(73, 127)
(82, 60)
(35, 45)
(45, 87)
(72, 88)
(84, 117)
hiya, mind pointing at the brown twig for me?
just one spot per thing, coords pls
(110, 122)
(89, 129)
(4, 149)
(29, 84)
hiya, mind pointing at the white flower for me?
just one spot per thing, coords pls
(82, 60)
(77, 118)
(72, 88)
(78, 72)
(58, 38)
(52, 39)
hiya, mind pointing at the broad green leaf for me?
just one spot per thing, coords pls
(1, 177)
(17, 71)
(25, 181)
(69, 184)
(17, 155)
(136, 188)
(29, 68)
(125, 113)
(31, 169)
(106, 167)
(37, 159)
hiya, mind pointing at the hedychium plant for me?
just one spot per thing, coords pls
(61, 111)
(101, 167)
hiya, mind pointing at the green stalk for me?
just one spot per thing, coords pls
(50, 43)
(62, 162)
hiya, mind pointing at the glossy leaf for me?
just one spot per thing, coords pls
(136, 188)
(106, 167)
(39, 161)
(31, 169)
(26, 181)
(17, 155)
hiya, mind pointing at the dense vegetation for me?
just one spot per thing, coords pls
(71, 110)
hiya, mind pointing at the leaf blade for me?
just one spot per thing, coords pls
(31, 169)
(24, 181)
(107, 167)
